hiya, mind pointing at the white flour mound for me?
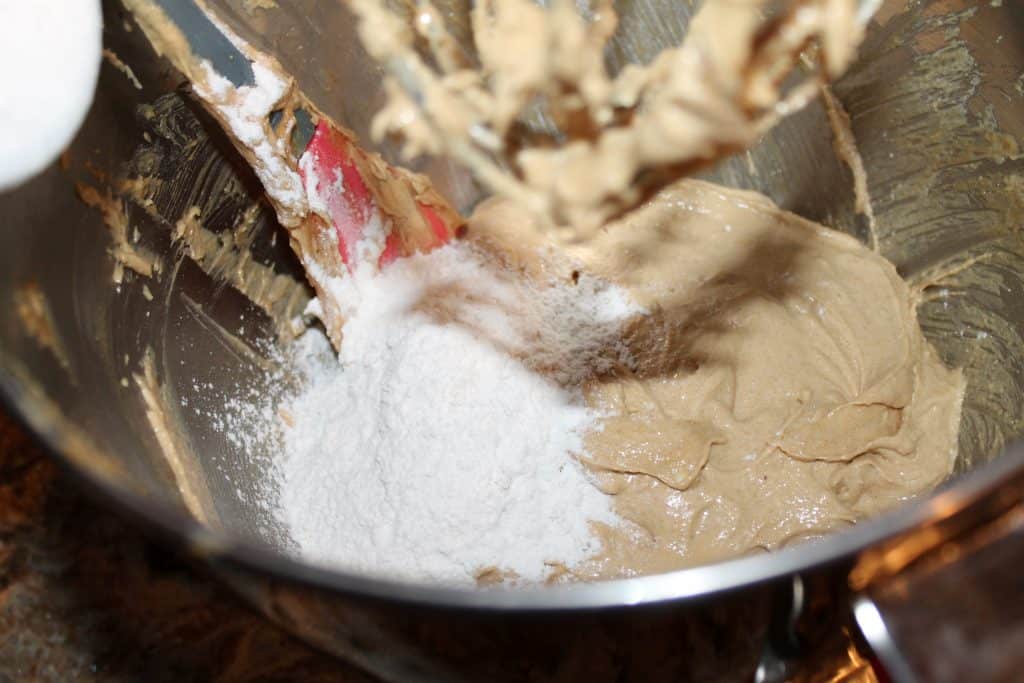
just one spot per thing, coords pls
(429, 452)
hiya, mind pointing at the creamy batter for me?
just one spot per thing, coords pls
(778, 388)
(619, 137)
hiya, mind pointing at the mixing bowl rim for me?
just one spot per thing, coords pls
(222, 550)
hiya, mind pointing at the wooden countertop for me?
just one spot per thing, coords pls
(85, 597)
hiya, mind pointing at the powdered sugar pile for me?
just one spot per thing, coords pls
(429, 449)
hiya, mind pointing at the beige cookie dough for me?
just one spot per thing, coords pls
(778, 387)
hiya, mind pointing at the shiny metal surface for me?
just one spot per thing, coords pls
(943, 602)
(956, 613)
(937, 107)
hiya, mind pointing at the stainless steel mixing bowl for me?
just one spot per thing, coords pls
(937, 108)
